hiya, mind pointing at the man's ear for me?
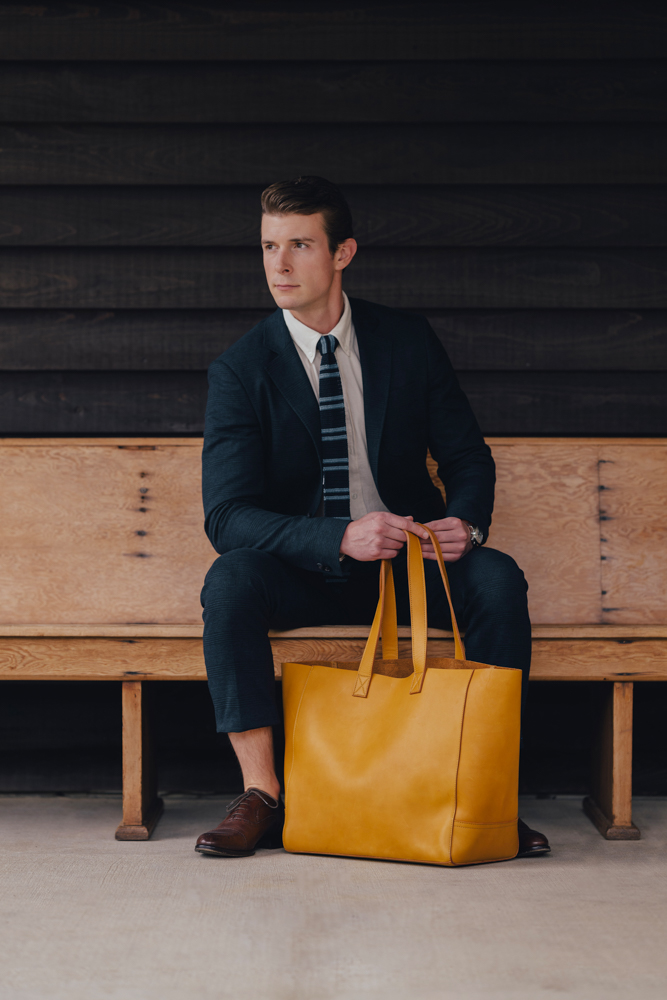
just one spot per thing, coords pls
(344, 254)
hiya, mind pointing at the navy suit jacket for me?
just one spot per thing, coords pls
(262, 464)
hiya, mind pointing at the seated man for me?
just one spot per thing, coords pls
(317, 428)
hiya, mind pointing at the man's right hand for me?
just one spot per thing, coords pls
(378, 535)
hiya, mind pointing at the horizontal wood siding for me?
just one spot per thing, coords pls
(506, 166)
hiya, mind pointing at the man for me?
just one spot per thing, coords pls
(317, 428)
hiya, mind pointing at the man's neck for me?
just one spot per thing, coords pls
(322, 316)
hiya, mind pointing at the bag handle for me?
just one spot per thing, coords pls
(418, 616)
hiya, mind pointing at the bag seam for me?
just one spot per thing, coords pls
(458, 766)
(296, 719)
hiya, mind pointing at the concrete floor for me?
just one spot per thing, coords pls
(85, 917)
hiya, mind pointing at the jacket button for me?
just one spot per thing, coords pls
(327, 569)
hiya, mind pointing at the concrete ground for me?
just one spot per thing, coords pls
(85, 917)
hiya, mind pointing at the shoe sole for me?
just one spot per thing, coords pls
(223, 854)
(533, 851)
(271, 840)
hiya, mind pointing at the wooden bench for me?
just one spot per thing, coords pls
(103, 556)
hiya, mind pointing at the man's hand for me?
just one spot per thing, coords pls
(379, 535)
(454, 537)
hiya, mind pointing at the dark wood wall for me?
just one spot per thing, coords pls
(506, 165)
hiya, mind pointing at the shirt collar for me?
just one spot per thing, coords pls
(308, 339)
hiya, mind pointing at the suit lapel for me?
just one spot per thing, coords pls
(375, 355)
(287, 372)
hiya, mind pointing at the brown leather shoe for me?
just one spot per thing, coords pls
(531, 842)
(253, 820)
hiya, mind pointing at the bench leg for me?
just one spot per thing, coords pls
(141, 806)
(610, 805)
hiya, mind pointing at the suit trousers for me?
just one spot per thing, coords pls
(249, 591)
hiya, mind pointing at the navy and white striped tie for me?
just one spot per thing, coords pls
(335, 464)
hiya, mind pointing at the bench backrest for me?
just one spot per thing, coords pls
(110, 531)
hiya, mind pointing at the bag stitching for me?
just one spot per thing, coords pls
(296, 719)
(458, 766)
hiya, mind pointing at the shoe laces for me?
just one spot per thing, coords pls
(244, 796)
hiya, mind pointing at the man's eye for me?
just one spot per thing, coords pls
(299, 245)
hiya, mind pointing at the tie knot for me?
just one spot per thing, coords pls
(327, 344)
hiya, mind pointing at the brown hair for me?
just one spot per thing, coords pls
(306, 196)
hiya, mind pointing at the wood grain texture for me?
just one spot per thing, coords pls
(561, 496)
(634, 549)
(387, 215)
(188, 339)
(169, 402)
(507, 153)
(111, 533)
(182, 659)
(572, 403)
(127, 340)
(414, 278)
(87, 403)
(612, 766)
(102, 534)
(445, 30)
(141, 806)
(338, 632)
(430, 91)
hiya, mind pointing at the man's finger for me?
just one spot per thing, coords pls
(407, 524)
(394, 533)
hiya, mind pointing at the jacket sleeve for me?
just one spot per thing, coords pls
(464, 460)
(234, 487)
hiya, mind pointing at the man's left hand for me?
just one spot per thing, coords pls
(454, 537)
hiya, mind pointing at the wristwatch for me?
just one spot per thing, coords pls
(476, 536)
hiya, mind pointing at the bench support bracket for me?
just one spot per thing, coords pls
(141, 806)
(610, 805)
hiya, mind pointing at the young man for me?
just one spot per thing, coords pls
(317, 428)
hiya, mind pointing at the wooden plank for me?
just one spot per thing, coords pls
(192, 631)
(553, 339)
(135, 442)
(576, 403)
(515, 403)
(102, 534)
(141, 806)
(475, 339)
(559, 499)
(102, 403)
(599, 659)
(438, 91)
(387, 215)
(478, 29)
(634, 548)
(96, 659)
(417, 278)
(610, 805)
(122, 340)
(521, 153)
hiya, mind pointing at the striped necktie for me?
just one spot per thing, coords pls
(335, 465)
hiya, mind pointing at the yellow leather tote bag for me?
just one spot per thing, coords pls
(408, 760)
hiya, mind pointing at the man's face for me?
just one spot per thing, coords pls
(299, 266)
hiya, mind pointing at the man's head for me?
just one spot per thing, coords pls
(307, 242)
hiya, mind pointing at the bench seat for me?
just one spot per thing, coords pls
(103, 554)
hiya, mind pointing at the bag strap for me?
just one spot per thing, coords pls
(389, 625)
(460, 653)
(386, 609)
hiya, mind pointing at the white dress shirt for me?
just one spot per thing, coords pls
(364, 497)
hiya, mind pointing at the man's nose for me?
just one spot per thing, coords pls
(282, 264)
